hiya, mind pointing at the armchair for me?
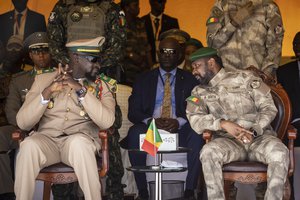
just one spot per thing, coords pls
(256, 172)
(61, 173)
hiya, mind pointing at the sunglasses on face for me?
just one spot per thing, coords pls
(167, 51)
(93, 59)
(39, 50)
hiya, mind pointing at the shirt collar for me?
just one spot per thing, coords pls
(154, 17)
(163, 72)
(217, 78)
(23, 12)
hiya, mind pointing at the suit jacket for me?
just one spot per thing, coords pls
(288, 76)
(18, 88)
(142, 99)
(167, 24)
(65, 117)
(35, 22)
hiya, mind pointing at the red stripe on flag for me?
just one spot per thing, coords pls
(149, 148)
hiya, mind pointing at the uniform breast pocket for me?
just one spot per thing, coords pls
(246, 103)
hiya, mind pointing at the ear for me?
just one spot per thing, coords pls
(211, 63)
(30, 55)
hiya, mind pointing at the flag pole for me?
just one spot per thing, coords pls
(154, 137)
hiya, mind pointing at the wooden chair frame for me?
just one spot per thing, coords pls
(61, 173)
(256, 172)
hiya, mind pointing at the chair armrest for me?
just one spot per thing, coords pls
(207, 135)
(292, 135)
(104, 148)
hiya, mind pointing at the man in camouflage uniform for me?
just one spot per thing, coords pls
(238, 107)
(85, 19)
(138, 51)
(246, 32)
(19, 86)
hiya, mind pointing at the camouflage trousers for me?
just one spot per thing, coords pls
(267, 149)
(114, 187)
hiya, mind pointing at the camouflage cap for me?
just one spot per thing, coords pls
(36, 40)
(15, 42)
(86, 46)
(179, 35)
(202, 53)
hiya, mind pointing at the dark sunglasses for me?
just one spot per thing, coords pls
(40, 50)
(167, 51)
(93, 59)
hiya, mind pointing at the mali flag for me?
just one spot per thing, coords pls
(152, 140)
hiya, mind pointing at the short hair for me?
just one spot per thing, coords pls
(297, 37)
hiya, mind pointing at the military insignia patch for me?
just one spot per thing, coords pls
(76, 16)
(52, 17)
(217, 12)
(255, 84)
(212, 20)
(193, 99)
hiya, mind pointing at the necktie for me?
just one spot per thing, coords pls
(156, 24)
(19, 17)
(166, 107)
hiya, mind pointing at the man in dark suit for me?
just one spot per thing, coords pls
(156, 23)
(289, 77)
(149, 100)
(20, 21)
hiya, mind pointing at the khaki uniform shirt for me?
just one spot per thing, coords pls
(65, 117)
(237, 96)
(257, 42)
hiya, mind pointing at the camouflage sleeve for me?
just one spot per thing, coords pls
(264, 103)
(13, 103)
(56, 33)
(198, 113)
(274, 39)
(115, 34)
(219, 28)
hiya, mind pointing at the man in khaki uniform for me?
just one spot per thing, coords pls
(238, 107)
(19, 86)
(246, 32)
(69, 105)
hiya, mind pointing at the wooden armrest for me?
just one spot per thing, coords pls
(207, 135)
(292, 135)
(104, 148)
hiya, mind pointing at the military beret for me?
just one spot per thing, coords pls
(179, 35)
(194, 42)
(15, 42)
(86, 46)
(36, 40)
(202, 53)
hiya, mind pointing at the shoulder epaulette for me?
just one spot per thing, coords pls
(42, 71)
(112, 82)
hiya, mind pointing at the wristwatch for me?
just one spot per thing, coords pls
(81, 93)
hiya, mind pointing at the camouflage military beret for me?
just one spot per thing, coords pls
(86, 46)
(194, 42)
(179, 35)
(36, 40)
(15, 42)
(202, 53)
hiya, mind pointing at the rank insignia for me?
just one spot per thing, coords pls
(212, 20)
(82, 113)
(76, 16)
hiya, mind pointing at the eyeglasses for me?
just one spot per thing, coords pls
(93, 59)
(167, 51)
(39, 50)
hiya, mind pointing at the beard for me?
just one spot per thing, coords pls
(206, 78)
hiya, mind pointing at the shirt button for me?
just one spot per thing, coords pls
(66, 119)
(68, 109)
(69, 94)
